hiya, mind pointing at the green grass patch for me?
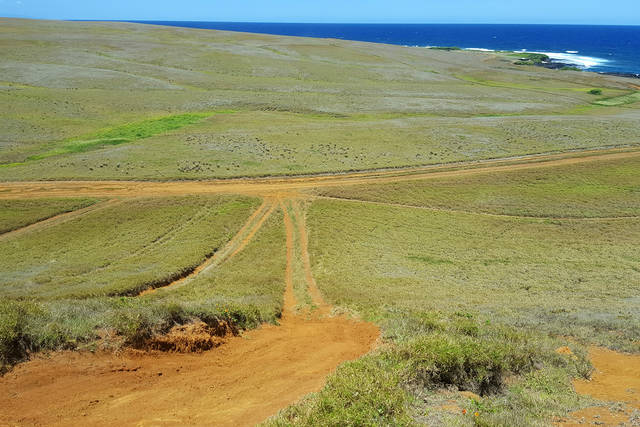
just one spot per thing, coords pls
(123, 134)
(619, 100)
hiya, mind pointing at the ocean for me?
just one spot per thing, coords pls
(611, 49)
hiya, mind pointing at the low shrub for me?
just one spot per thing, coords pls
(15, 340)
(364, 392)
(428, 351)
(447, 48)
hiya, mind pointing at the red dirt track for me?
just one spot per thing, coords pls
(248, 378)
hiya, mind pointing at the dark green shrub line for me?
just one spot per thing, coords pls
(530, 58)
(446, 48)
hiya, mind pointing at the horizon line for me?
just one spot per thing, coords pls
(134, 20)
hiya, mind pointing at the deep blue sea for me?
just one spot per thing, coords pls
(593, 48)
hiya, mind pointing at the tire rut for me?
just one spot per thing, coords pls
(461, 211)
(236, 244)
(59, 219)
(242, 382)
(277, 185)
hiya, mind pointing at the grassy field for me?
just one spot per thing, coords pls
(120, 250)
(473, 301)
(105, 101)
(475, 280)
(547, 275)
(468, 303)
(15, 214)
(249, 143)
(603, 189)
(77, 309)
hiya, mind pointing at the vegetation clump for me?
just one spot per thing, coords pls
(428, 352)
(446, 48)
(630, 98)
(531, 58)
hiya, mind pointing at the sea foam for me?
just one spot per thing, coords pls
(579, 60)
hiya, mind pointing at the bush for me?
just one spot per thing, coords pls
(364, 392)
(531, 58)
(15, 342)
(459, 351)
(461, 361)
(447, 48)
(595, 92)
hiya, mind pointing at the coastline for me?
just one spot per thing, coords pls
(553, 60)
(603, 49)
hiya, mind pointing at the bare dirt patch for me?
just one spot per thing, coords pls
(192, 337)
(243, 382)
(616, 379)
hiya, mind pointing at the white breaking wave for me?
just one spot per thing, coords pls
(569, 57)
(580, 61)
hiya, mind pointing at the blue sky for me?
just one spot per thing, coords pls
(622, 12)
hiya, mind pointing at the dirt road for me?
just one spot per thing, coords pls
(242, 382)
(287, 187)
(247, 379)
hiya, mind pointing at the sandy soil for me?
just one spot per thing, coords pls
(616, 379)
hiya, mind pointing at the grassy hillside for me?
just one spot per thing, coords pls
(68, 286)
(474, 302)
(15, 214)
(567, 277)
(105, 101)
(476, 280)
(603, 189)
(120, 250)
